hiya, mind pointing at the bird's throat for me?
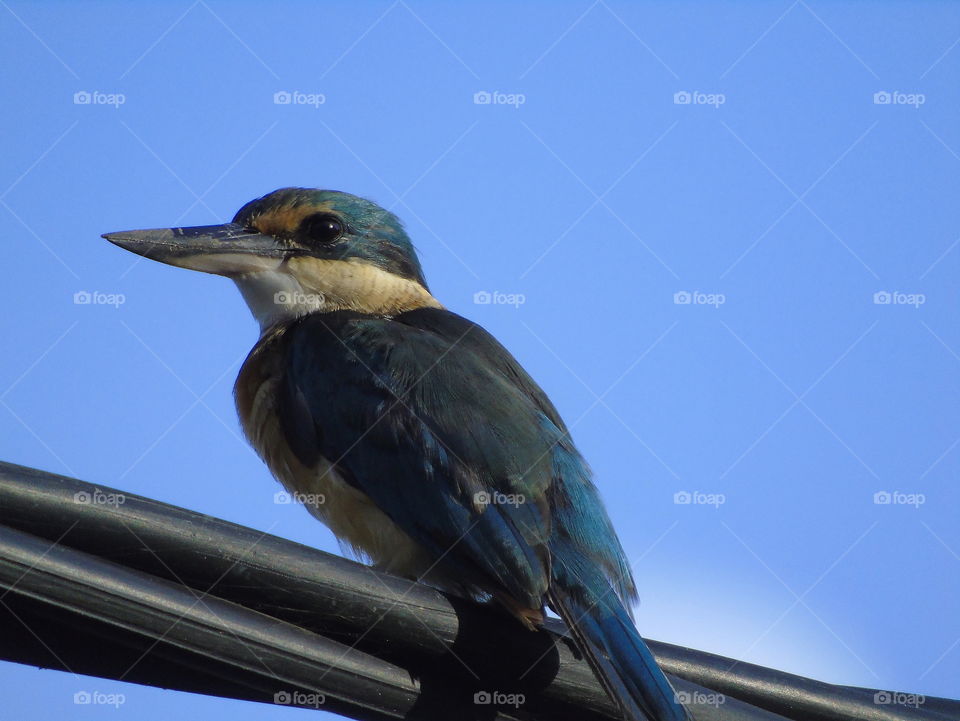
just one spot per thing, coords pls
(304, 285)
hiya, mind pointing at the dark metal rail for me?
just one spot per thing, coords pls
(150, 593)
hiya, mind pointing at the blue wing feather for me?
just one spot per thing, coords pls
(422, 425)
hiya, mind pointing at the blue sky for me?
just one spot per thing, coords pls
(789, 169)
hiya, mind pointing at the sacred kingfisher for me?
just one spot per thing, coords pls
(434, 453)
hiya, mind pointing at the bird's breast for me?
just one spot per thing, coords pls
(348, 512)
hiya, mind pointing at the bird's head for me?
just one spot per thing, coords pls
(299, 250)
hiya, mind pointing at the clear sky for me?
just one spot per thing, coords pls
(790, 169)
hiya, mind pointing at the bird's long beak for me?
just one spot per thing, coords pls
(228, 249)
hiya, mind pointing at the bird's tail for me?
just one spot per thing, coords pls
(604, 631)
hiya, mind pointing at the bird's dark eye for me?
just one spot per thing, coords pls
(321, 228)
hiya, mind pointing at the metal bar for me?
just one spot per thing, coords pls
(443, 641)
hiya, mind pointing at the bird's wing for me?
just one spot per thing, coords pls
(438, 425)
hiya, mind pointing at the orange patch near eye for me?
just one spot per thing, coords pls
(286, 220)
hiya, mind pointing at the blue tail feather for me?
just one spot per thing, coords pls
(602, 627)
(590, 585)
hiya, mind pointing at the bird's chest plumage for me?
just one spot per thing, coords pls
(348, 512)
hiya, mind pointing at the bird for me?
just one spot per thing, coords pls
(411, 432)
